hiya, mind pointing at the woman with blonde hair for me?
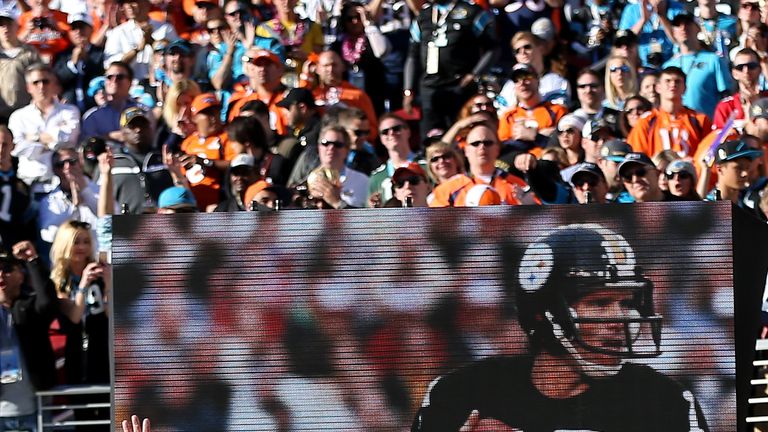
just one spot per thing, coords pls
(82, 286)
(620, 82)
(176, 121)
(443, 162)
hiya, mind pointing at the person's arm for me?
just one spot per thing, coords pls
(38, 276)
(66, 131)
(411, 66)
(638, 25)
(379, 44)
(661, 8)
(705, 174)
(74, 309)
(106, 203)
(223, 71)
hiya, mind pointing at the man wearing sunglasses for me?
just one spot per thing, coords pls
(104, 121)
(351, 187)
(641, 179)
(482, 150)
(395, 137)
(707, 77)
(41, 127)
(746, 72)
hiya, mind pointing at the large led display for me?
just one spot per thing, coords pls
(589, 318)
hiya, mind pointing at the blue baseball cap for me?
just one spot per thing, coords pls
(176, 197)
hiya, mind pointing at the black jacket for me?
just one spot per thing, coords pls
(91, 67)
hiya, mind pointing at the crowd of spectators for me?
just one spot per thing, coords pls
(161, 106)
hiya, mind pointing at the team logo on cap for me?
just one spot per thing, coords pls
(536, 266)
(722, 154)
(756, 110)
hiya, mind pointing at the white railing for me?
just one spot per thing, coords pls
(59, 416)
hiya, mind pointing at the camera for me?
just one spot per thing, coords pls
(40, 22)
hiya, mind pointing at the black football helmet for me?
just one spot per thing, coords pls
(570, 262)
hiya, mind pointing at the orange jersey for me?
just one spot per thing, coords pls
(352, 96)
(214, 147)
(453, 192)
(657, 130)
(546, 115)
(49, 40)
(278, 117)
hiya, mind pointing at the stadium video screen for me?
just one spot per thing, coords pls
(589, 318)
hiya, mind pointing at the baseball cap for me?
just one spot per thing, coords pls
(80, 17)
(635, 159)
(7, 13)
(411, 169)
(735, 149)
(242, 160)
(587, 169)
(571, 121)
(543, 29)
(683, 18)
(615, 150)
(625, 37)
(131, 114)
(759, 109)
(681, 165)
(592, 127)
(482, 195)
(96, 85)
(181, 45)
(522, 69)
(255, 188)
(176, 197)
(297, 95)
(261, 54)
(204, 101)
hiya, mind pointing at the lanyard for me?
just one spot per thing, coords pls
(439, 22)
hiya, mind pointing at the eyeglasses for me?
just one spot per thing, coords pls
(526, 47)
(636, 110)
(591, 86)
(335, 144)
(62, 162)
(681, 175)
(218, 29)
(361, 132)
(445, 156)
(392, 130)
(44, 81)
(629, 175)
(413, 180)
(478, 143)
(622, 68)
(753, 6)
(569, 131)
(116, 77)
(590, 180)
(749, 66)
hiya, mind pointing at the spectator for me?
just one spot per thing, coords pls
(17, 221)
(362, 156)
(650, 21)
(300, 37)
(176, 199)
(203, 11)
(672, 126)
(706, 73)
(569, 138)
(104, 121)
(445, 162)
(242, 174)
(530, 123)
(246, 135)
(225, 58)
(410, 187)
(681, 178)
(746, 72)
(179, 61)
(451, 52)
(44, 29)
(305, 123)
(590, 92)
(482, 150)
(395, 136)
(749, 22)
(661, 160)
(611, 155)
(78, 65)
(733, 160)
(332, 89)
(15, 59)
(263, 69)
(620, 82)
(648, 88)
(29, 313)
(634, 108)
(625, 44)
(43, 126)
(641, 179)
(131, 41)
(589, 185)
(261, 196)
(347, 187)
(718, 29)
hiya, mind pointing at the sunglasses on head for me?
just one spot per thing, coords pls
(622, 68)
(445, 156)
(478, 143)
(393, 129)
(526, 47)
(62, 162)
(413, 180)
(681, 175)
(335, 144)
(749, 66)
(639, 172)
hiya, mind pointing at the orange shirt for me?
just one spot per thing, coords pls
(546, 115)
(214, 147)
(48, 41)
(278, 117)
(352, 96)
(453, 193)
(657, 130)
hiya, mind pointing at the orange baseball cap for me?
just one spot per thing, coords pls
(261, 54)
(254, 189)
(412, 168)
(203, 102)
(189, 5)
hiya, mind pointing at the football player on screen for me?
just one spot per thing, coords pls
(586, 308)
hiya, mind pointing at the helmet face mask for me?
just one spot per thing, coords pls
(579, 288)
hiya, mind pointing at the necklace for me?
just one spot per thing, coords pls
(289, 38)
(352, 49)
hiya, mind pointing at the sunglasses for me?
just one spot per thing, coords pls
(44, 81)
(238, 12)
(116, 77)
(749, 66)
(413, 180)
(61, 163)
(681, 175)
(640, 172)
(478, 143)
(585, 179)
(394, 129)
(622, 68)
(445, 156)
(570, 131)
(753, 6)
(526, 47)
(591, 86)
(335, 144)
(361, 132)
(635, 110)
